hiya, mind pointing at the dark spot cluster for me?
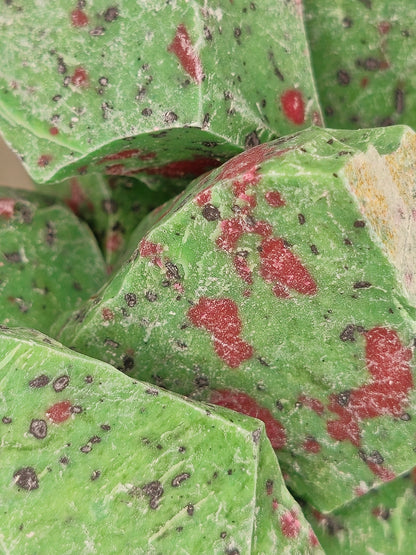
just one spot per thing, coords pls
(38, 428)
(87, 447)
(26, 478)
(154, 490)
(211, 212)
(374, 457)
(348, 333)
(131, 299)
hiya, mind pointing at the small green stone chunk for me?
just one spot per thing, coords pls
(278, 285)
(382, 521)
(94, 462)
(363, 60)
(158, 88)
(111, 206)
(50, 262)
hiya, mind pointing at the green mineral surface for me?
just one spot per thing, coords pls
(383, 521)
(50, 262)
(363, 60)
(112, 206)
(160, 88)
(266, 287)
(95, 462)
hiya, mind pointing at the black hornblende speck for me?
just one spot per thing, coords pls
(130, 299)
(343, 77)
(251, 140)
(39, 381)
(111, 14)
(210, 212)
(26, 478)
(61, 383)
(362, 285)
(151, 296)
(172, 270)
(177, 481)
(154, 490)
(38, 428)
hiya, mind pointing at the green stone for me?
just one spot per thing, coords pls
(363, 59)
(163, 88)
(50, 262)
(275, 286)
(111, 206)
(95, 462)
(383, 521)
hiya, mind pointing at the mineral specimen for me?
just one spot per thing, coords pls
(49, 261)
(281, 285)
(363, 60)
(93, 461)
(158, 88)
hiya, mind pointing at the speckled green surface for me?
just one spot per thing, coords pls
(265, 289)
(363, 61)
(93, 461)
(68, 105)
(49, 261)
(111, 206)
(381, 521)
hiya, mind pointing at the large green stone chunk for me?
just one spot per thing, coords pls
(93, 461)
(158, 88)
(266, 287)
(50, 262)
(382, 521)
(363, 59)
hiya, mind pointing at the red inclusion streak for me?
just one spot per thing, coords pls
(220, 317)
(183, 49)
(279, 264)
(114, 242)
(248, 162)
(293, 106)
(241, 402)
(384, 27)
(59, 412)
(80, 77)
(127, 154)
(387, 361)
(311, 445)
(203, 197)
(78, 198)
(274, 198)
(107, 314)
(7, 207)
(44, 160)
(147, 248)
(184, 168)
(313, 540)
(234, 228)
(382, 472)
(312, 403)
(79, 18)
(290, 524)
(242, 268)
